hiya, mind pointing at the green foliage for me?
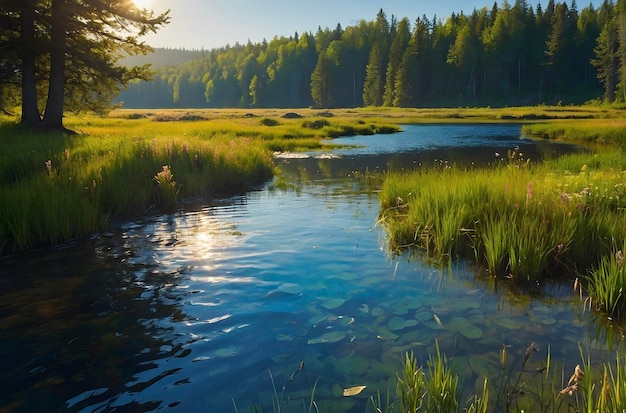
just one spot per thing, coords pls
(606, 283)
(501, 56)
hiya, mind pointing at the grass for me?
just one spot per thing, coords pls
(57, 187)
(522, 385)
(518, 220)
(596, 131)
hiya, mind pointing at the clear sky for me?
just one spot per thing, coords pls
(208, 24)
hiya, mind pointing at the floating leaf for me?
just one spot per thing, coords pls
(353, 391)
(319, 318)
(345, 321)
(385, 334)
(505, 322)
(376, 311)
(364, 308)
(331, 337)
(399, 323)
(465, 328)
(333, 303)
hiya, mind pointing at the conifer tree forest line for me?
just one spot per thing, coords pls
(506, 54)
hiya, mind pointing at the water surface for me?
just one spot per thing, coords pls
(261, 298)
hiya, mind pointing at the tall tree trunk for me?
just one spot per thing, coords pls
(53, 115)
(30, 111)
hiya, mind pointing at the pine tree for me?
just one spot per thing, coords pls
(84, 69)
(398, 46)
(606, 58)
(373, 87)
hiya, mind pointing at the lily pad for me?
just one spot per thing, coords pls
(399, 323)
(330, 337)
(351, 366)
(385, 334)
(505, 322)
(333, 303)
(344, 321)
(376, 311)
(319, 318)
(465, 328)
(364, 309)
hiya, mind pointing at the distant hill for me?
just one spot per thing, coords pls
(164, 57)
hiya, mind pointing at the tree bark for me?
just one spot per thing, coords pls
(30, 111)
(53, 114)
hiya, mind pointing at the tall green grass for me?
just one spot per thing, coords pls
(521, 385)
(520, 220)
(598, 131)
(57, 187)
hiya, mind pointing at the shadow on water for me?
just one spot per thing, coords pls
(75, 320)
(259, 299)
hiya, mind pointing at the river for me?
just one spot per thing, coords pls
(270, 298)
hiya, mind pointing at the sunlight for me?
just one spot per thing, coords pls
(143, 4)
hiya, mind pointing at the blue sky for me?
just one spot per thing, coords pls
(208, 24)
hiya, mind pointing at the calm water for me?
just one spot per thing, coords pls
(260, 298)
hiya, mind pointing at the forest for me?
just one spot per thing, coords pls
(503, 55)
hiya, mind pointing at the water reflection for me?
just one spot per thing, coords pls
(69, 326)
(259, 297)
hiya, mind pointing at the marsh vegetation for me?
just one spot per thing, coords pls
(523, 221)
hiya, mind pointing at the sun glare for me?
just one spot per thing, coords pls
(143, 4)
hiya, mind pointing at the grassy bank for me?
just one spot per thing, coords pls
(520, 220)
(57, 187)
(596, 131)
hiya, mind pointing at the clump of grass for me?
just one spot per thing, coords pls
(269, 122)
(606, 283)
(519, 220)
(167, 186)
(435, 389)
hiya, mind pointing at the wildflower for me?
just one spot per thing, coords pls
(497, 155)
(619, 256)
(559, 248)
(583, 168)
(48, 167)
(506, 187)
(564, 198)
(585, 192)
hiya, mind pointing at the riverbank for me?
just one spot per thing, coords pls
(57, 187)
